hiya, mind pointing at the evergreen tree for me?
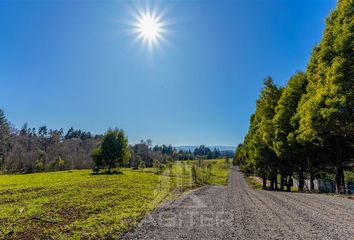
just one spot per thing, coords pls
(4, 137)
(326, 112)
(261, 134)
(113, 150)
(288, 150)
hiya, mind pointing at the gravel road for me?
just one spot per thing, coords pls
(238, 212)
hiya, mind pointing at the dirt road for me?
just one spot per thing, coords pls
(238, 212)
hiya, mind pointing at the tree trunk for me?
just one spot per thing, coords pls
(312, 185)
(109, 168)
(288, 186)
(338, 179)
(301, 180)
(282, 182)
(264, 179)
(343, 182)
(339, 168)
(271, 183)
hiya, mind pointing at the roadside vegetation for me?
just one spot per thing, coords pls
(79, 204)
(254, 182)
(306, 128)
(257, 183)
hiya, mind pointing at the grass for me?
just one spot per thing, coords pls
(220, 172)
(254, 182)
(78, 205)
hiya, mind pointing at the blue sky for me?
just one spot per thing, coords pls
(71, 63)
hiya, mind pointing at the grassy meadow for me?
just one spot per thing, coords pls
(80, 205)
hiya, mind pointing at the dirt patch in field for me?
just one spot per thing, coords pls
(20, 190)
(62, 215)
(32, 193)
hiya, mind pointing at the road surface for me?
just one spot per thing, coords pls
(238, 212)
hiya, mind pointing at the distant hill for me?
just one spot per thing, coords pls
(221, 148)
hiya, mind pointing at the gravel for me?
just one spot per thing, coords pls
(238, 212)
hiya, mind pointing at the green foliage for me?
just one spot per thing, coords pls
(40, 163)
(326, 112)
(142, 165)
(4, 137)
(350, 175)
(97, 158)
(39, 167)
(327, 108)
(309, 125)
(113, 150)
(158, 166)
(57, 165)
(289, 151)
(258, 144)
(286, 109)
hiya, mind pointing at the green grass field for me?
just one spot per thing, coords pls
(79, 205)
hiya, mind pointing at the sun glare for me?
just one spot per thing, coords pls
(149, 27)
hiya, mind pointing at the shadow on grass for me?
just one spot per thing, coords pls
(115, 172)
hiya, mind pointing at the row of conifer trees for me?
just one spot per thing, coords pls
(307, 127)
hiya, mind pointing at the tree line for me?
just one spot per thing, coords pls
(306, 128)
(28, 150)
(148, 154)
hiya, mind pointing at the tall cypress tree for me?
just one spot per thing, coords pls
(327, 110)
(288, 150)
(262, 133)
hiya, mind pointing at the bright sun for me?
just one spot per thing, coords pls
(149, 27)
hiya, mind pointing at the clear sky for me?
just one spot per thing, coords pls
(72, 63)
